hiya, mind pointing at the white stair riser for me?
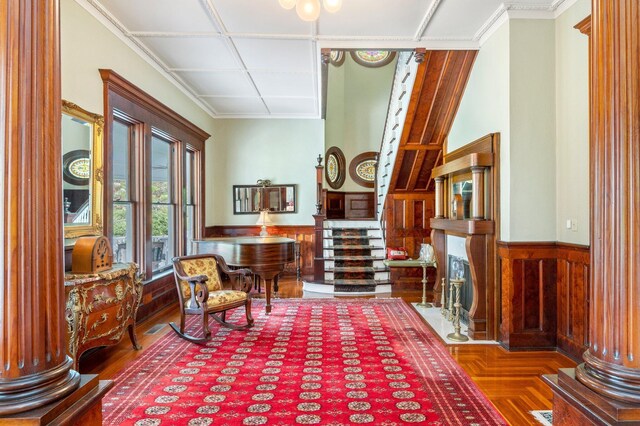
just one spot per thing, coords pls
(328, 264)
(382, 276)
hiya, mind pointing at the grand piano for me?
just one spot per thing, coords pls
(265, 256)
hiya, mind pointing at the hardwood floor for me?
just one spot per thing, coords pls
(511, 380)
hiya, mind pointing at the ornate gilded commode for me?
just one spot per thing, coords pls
(100, 307)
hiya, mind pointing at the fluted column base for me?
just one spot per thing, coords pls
(576, 404)
(81, 407)
(36, 390)
(612, 380)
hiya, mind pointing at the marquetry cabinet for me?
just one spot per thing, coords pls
(100, 307)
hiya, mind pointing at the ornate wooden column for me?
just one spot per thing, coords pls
(35, 370)
(612, 362)
(607, 389)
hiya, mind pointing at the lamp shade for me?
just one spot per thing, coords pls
(264, 218)
(308, 10)
(287, 4)
(332, 6)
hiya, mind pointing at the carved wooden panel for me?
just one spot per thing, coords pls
(573, 299)
(528, 280)
(408, 218)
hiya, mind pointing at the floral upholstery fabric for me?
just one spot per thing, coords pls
(205, 266)
(222, 297)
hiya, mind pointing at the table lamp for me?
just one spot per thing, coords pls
(263, 221)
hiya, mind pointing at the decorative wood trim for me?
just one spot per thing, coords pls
(353, 165)
(440, 82)
(573, 271)
(467, 162)
(528, 295)
(584, 26)
(123, 87)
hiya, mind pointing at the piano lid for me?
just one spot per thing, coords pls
(249, 251)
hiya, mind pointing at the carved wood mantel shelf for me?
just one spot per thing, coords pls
(470, 214)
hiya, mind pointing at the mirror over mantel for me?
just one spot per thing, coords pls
(82, 173)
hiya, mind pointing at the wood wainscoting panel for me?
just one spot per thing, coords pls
(407, 222)
(302, 233)
(573, 299)
(528, 279)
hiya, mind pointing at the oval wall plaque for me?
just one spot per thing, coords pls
(335, 167)
(362, 169)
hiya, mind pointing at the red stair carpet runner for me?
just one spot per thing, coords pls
(311, 361)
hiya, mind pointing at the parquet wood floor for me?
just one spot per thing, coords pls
(511, 380)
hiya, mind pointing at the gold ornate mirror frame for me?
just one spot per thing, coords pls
(96, 184)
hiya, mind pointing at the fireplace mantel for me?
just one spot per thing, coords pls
(476, 164)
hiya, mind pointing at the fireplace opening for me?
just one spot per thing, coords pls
(458, 267)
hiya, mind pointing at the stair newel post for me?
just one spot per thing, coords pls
(318, 262)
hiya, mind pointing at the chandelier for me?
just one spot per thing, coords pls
(309, 10)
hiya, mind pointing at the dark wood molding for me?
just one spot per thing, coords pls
(353, 165)
(482, 145)
(303, 234)
(528, 281)
(123, 87)
(584, 26)
(440, 82)
(545, 283)
(572, 279)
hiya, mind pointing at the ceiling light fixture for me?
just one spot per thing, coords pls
(309, 10)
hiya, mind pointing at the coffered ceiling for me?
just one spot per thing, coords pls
(252, 58)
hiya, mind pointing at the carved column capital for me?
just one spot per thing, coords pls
(419, 54)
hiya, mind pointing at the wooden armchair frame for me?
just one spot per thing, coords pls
(197, 303)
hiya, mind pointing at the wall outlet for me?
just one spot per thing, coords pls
(574, 225)
(568, 223)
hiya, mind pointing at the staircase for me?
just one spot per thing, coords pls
(353, 252)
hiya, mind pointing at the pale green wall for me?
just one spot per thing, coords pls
(357, 102)
(543, 120)
(572, 129)
(532, 201)
(283, 151)
(87, 45)
(484, 109)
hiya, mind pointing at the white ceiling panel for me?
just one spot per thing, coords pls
(292, 106)
(284, 83)
(223, 83)
(253, 58)
(468, 15)
(264, 17)
(192, 52)
(270, 54)
(161, 15)
(382, 18)
(237, 106)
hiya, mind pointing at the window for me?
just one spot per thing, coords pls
(153, 178)
(123, 207)
(163, 227)
(189, 200)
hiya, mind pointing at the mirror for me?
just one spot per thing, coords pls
(251, 199)
(81, 171)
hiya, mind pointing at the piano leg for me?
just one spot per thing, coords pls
(267, 282)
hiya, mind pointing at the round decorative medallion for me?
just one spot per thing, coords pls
(373, 58)
(76, 167)
(335, 167)
(363, 169)
(336, 57)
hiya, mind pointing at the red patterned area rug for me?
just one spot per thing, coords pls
(311, 361)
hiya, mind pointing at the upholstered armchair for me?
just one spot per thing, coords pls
(201, 292)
